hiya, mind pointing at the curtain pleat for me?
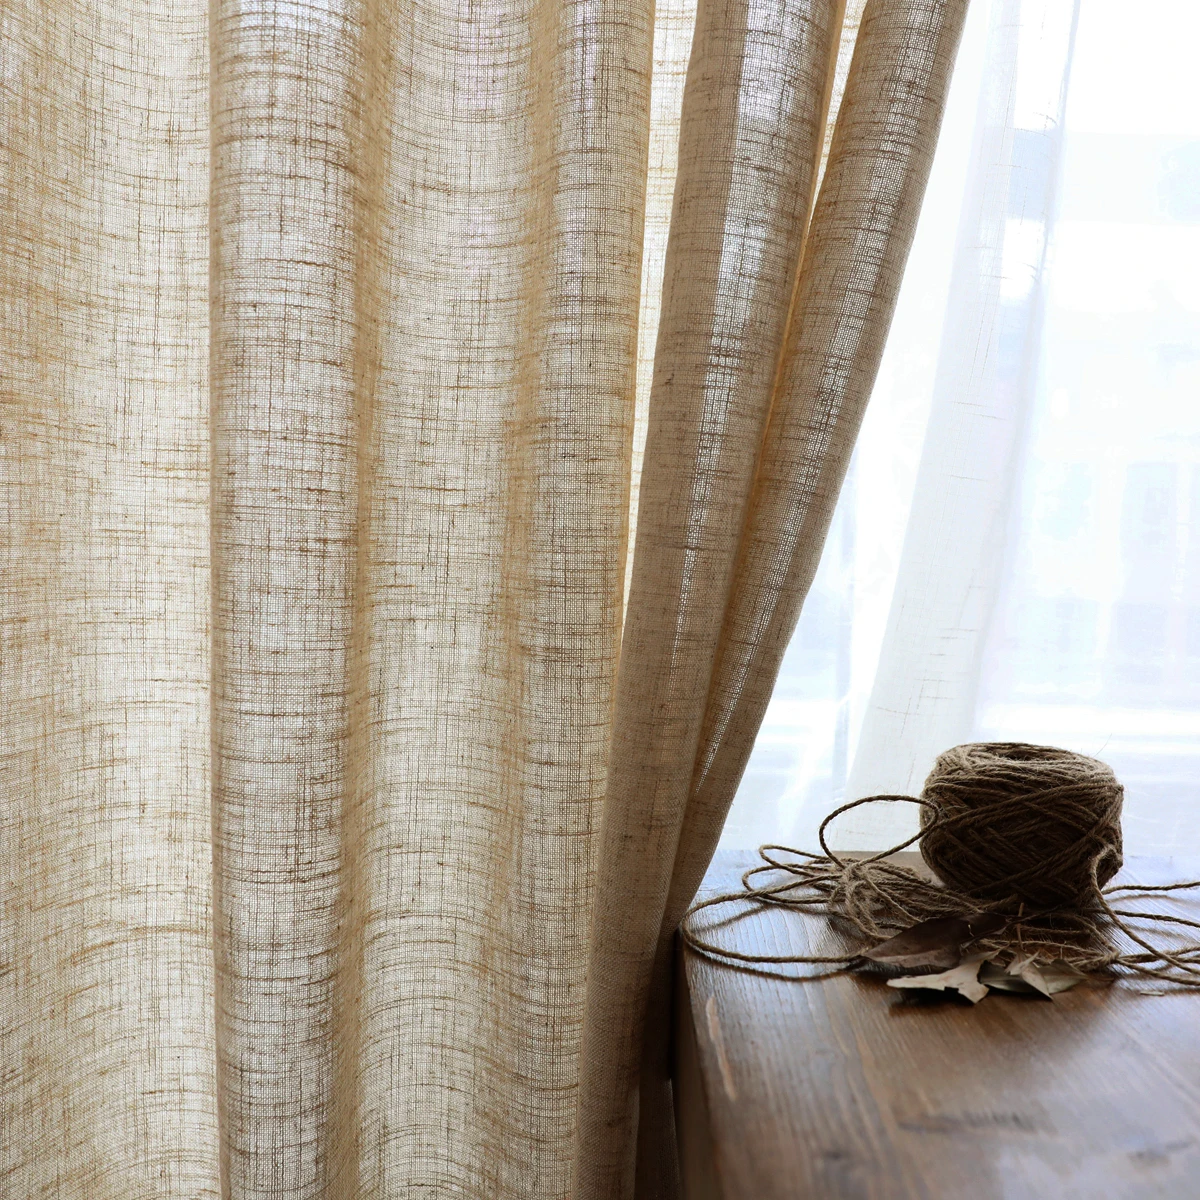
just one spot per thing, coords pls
(854, 260)
(730, 529)
(750, 139)
(674, 24)
(292, 237)
(106, 973)
(427, 246)
(499, 501)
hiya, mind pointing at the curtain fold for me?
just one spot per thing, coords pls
(750, 139)
(732, 519)
(925, 692)
(288, 337)
(349, 800)
(107, 1058)
(854, 260)
(421, 451)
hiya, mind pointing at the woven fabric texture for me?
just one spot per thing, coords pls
(355, 761)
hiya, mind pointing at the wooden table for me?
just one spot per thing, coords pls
(840, 1088)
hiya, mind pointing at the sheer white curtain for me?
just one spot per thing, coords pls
(1017, 548)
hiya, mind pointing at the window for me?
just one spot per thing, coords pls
(1016, 553)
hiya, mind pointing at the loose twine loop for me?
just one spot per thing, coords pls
(1031, 833)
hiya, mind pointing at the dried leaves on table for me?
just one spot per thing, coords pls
(929, 956)
(1028, 975)
(964, 979)
(934, 945)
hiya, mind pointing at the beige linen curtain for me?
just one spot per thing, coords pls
(339, 835)
(768, 345)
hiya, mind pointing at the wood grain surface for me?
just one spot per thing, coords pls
(841, 1087)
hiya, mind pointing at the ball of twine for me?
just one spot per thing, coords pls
(1029, 833)
(1008, 821)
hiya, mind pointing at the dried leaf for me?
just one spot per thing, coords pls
(996, 977)
(1027, 969)
(1027, 975)
(934, 945)
(963, 978)
(1060, 976)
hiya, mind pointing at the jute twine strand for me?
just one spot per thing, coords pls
(1032, 833)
